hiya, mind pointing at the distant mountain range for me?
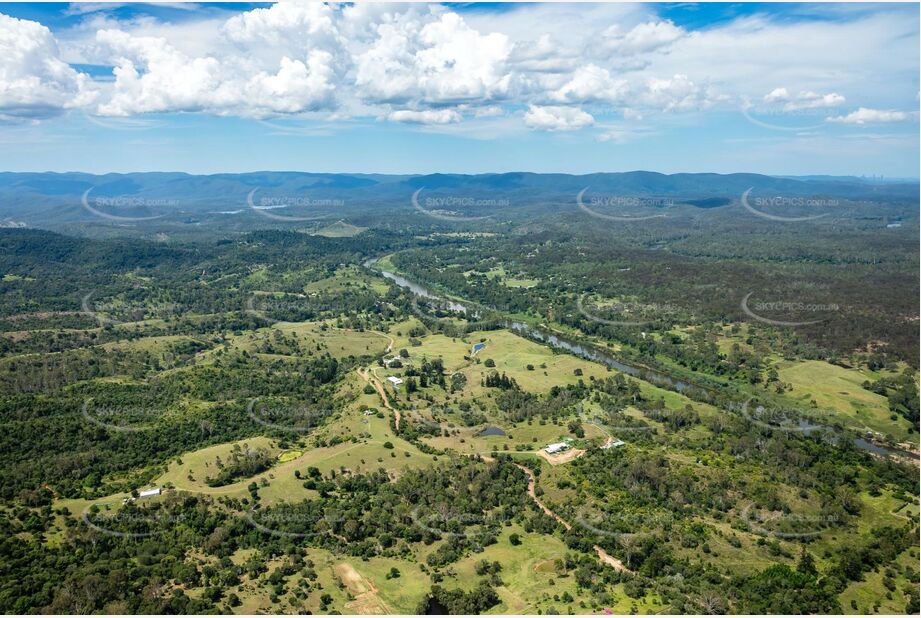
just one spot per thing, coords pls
(46, 199)
(220, 187)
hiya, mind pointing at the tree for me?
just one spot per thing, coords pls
(806, 563)
(458, 381)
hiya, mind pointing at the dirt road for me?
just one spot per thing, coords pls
(604, 556)
(372, 380)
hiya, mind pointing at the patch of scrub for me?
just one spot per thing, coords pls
(289, 455)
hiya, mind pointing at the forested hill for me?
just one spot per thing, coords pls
(190, 207)
(216, 187)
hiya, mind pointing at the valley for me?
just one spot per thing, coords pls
(320, 435)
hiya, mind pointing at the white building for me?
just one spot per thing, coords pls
(614, 444)
(394, 380)
(149, 493)
(556, 447)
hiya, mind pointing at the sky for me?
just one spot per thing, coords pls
(792, 89)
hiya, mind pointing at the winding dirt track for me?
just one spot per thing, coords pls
(366, 376)
(604, 556)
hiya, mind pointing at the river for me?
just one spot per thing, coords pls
(561, 342)
(554, 340)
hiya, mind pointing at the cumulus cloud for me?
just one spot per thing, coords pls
(590, 83)
(866, 115)
(804, 100)
(442, 61)
(428, 116)
(152, 76)
(557, 118)
(777, 95)
(34, 81)
(643, 38)
(433, 64)
(283, 23)
(677, 93)
(544, 54)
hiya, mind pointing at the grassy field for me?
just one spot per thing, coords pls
(339, 229)
(512, 355)
(531, 580)
(363, 451)
(338, 342)
(872, 596)
(839, 389)
(499, 274)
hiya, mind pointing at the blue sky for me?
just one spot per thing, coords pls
(460, 87)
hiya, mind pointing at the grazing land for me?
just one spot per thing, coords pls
(325, 440)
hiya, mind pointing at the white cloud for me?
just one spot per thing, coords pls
(441, 61)
(34, 81)
(777, 94)
(545, 54)
(677, 93)
(812, 100)
(557, 118)
(428, 116)
(643, 38)
(590, 83)
(283, 23)
(565, 65)
(804, 100)
(152, 77)
(871, 116)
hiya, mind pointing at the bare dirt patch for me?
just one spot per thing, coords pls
(561, 458)
(366, 599)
